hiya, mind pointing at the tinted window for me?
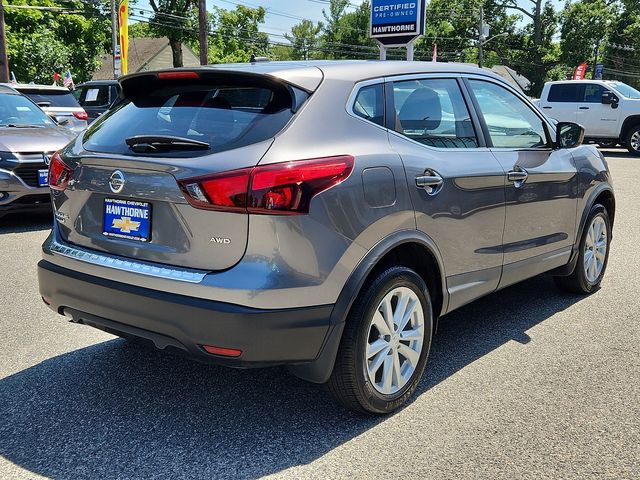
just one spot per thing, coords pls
(565, 92)
(18, 110)
(55, 98)
(369, 104)
(94, 96)
(593, 93)
(511, 122)
(223, 115)
(433, 112)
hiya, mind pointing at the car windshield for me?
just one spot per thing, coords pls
(626, 90)
(16, 110)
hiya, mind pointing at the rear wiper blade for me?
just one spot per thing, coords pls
(164, 142)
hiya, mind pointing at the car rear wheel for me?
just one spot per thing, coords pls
(633, 140)
(594, 254)
(385, 344)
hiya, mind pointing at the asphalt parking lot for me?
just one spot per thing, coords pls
(526, 383)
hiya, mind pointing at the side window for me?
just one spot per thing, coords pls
(433, 112)
(565, 92)
(511, 122)
(593, 93)
(369, 104)
(95, 96)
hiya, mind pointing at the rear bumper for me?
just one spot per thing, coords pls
(265, 337)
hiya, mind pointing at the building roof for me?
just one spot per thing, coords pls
(142, 53)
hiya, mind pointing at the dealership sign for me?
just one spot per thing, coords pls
(396, 22)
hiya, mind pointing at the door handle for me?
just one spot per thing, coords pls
(583, 108)
(430, 181)
(548, 107)
(517, 176)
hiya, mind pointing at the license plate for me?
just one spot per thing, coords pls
(42, 177)
(127, 219)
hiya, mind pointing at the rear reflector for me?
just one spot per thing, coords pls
(177, 75)
(276, 189)
(225, 352)
(81, 115)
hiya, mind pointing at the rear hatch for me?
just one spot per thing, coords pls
(148, 180)
(59, 103)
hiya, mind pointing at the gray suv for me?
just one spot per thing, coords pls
(28, 138)
(319, 215)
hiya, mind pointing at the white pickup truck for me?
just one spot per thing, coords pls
(609, 111)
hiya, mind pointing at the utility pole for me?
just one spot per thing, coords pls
(481, 37)
(4, 62)
(114, 36)
(203, 32)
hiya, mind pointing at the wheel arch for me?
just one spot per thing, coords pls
(410, 248)
(629, 122)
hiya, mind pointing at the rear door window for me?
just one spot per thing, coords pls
(224, 116)
(566, 93)
(433, 112)
(55, 98)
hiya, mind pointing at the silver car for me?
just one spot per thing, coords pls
(57, 102)
(28, 138)
(319, 215)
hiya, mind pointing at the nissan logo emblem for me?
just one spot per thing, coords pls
(116, 181)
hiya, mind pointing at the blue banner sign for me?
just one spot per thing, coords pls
(396, 18)
(599, 71)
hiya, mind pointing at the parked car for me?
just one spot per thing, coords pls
(28, 138)
(318, 215)
(57, 102)
(608, 110)
(97, 96)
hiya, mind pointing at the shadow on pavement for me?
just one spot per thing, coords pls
(21, 223)
(116, 410)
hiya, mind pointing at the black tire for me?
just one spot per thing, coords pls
(578, 282)
(635, 130)
(349, 382)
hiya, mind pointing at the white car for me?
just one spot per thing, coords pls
(608, 110)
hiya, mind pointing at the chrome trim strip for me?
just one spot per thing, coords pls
(132, 266)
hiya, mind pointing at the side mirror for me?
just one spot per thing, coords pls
(569, 135)
(610, 98)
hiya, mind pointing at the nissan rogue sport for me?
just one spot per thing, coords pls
(318, 215)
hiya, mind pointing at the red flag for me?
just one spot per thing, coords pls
(434, 56)
(56, 77)
(579, 72)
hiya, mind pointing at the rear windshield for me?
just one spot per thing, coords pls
(225, 116)
(55, 98)
(93, 96)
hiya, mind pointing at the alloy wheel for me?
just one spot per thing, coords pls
(395, 340)
(595, 249)
(635, 141)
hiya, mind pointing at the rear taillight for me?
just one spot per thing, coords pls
(81, 115)
(59, 173)
(276, 189)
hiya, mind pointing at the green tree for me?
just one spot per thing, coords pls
(176, 20)
(622, 53)
(585, 26)
(304, 38)
(346, 34)
(141, 30)
(236, 35)
(40, 42)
